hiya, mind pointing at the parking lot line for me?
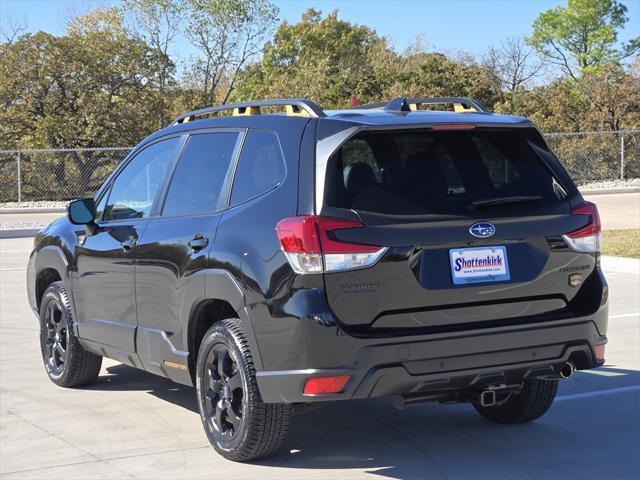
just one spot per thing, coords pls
(598, 393)
(625, 315)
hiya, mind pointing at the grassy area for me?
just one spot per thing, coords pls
(622, 243)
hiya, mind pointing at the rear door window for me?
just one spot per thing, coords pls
(260, 167)
(199, 178)
(443, 172)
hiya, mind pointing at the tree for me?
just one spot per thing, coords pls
(512, 64)
(607, 100)
(228, 34)
(158, 23)
(92, 87)
(613, 99)
(325, 59)
(427, 74)
(12, 30)
(582, 37)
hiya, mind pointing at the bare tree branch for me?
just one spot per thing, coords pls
(512, 64)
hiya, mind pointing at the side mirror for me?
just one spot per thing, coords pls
(82, 211)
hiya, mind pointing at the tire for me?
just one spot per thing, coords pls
(238, 424)
(531, 402)
(66, 362)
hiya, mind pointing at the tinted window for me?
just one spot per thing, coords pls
(500, 169)
(197, 182)
(417, 173)
(260, 168)
(137, 186)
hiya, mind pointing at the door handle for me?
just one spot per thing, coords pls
(129, 243)
(198, 242)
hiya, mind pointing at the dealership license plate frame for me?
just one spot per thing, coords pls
(489, 274)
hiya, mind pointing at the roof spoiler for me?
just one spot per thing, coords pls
(293, 106)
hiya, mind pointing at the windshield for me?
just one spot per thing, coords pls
(442, 172)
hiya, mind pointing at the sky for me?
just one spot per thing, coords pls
(443, 25)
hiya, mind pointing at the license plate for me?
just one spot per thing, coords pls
(479, 264)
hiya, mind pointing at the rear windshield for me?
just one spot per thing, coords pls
(443, 172)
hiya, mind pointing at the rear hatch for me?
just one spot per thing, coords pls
(471, 222)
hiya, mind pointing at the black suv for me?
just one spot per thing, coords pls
(275, 255)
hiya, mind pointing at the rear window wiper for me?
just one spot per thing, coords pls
(490, 202)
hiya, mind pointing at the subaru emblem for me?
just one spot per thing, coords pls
(482, 229)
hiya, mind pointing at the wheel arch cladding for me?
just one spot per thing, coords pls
(205, 314)
(223, 298)
(50, 265)
(44, 278)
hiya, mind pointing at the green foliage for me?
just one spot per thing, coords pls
(227, 33)
(110, 79)
(606, 100)
(329, 60)
(433, 75)
(91, 87)
(324, 59)
(582, 37)
(158, 22)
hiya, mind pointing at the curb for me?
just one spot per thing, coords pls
(621, 264)
(608, 191)
(10, 211)
(19, 233)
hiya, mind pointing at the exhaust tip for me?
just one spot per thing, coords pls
(567, 370)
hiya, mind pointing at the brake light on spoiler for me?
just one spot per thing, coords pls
(453, 126)
(587, 239)
(310, 245)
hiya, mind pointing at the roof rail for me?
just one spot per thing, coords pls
(294, 106)
(460, 104)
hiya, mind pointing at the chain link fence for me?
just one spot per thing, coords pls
(55, 175)
(598, 156)
(64, 174)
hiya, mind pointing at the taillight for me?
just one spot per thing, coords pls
(587, 239)
(311, 247)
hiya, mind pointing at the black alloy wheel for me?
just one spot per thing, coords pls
(224, 394)
(56, 338)
(66, 362)
(238, 424)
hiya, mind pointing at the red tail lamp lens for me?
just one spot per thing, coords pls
(310, 245)
(587, 239)
(594, 225)
(325, 385)
(298, 234)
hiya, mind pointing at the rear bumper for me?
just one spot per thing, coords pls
(461, 361)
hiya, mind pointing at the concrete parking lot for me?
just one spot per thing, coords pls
(131, 424)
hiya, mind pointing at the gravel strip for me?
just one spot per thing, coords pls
(21, 225)
(606, 184)
(40, 204)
